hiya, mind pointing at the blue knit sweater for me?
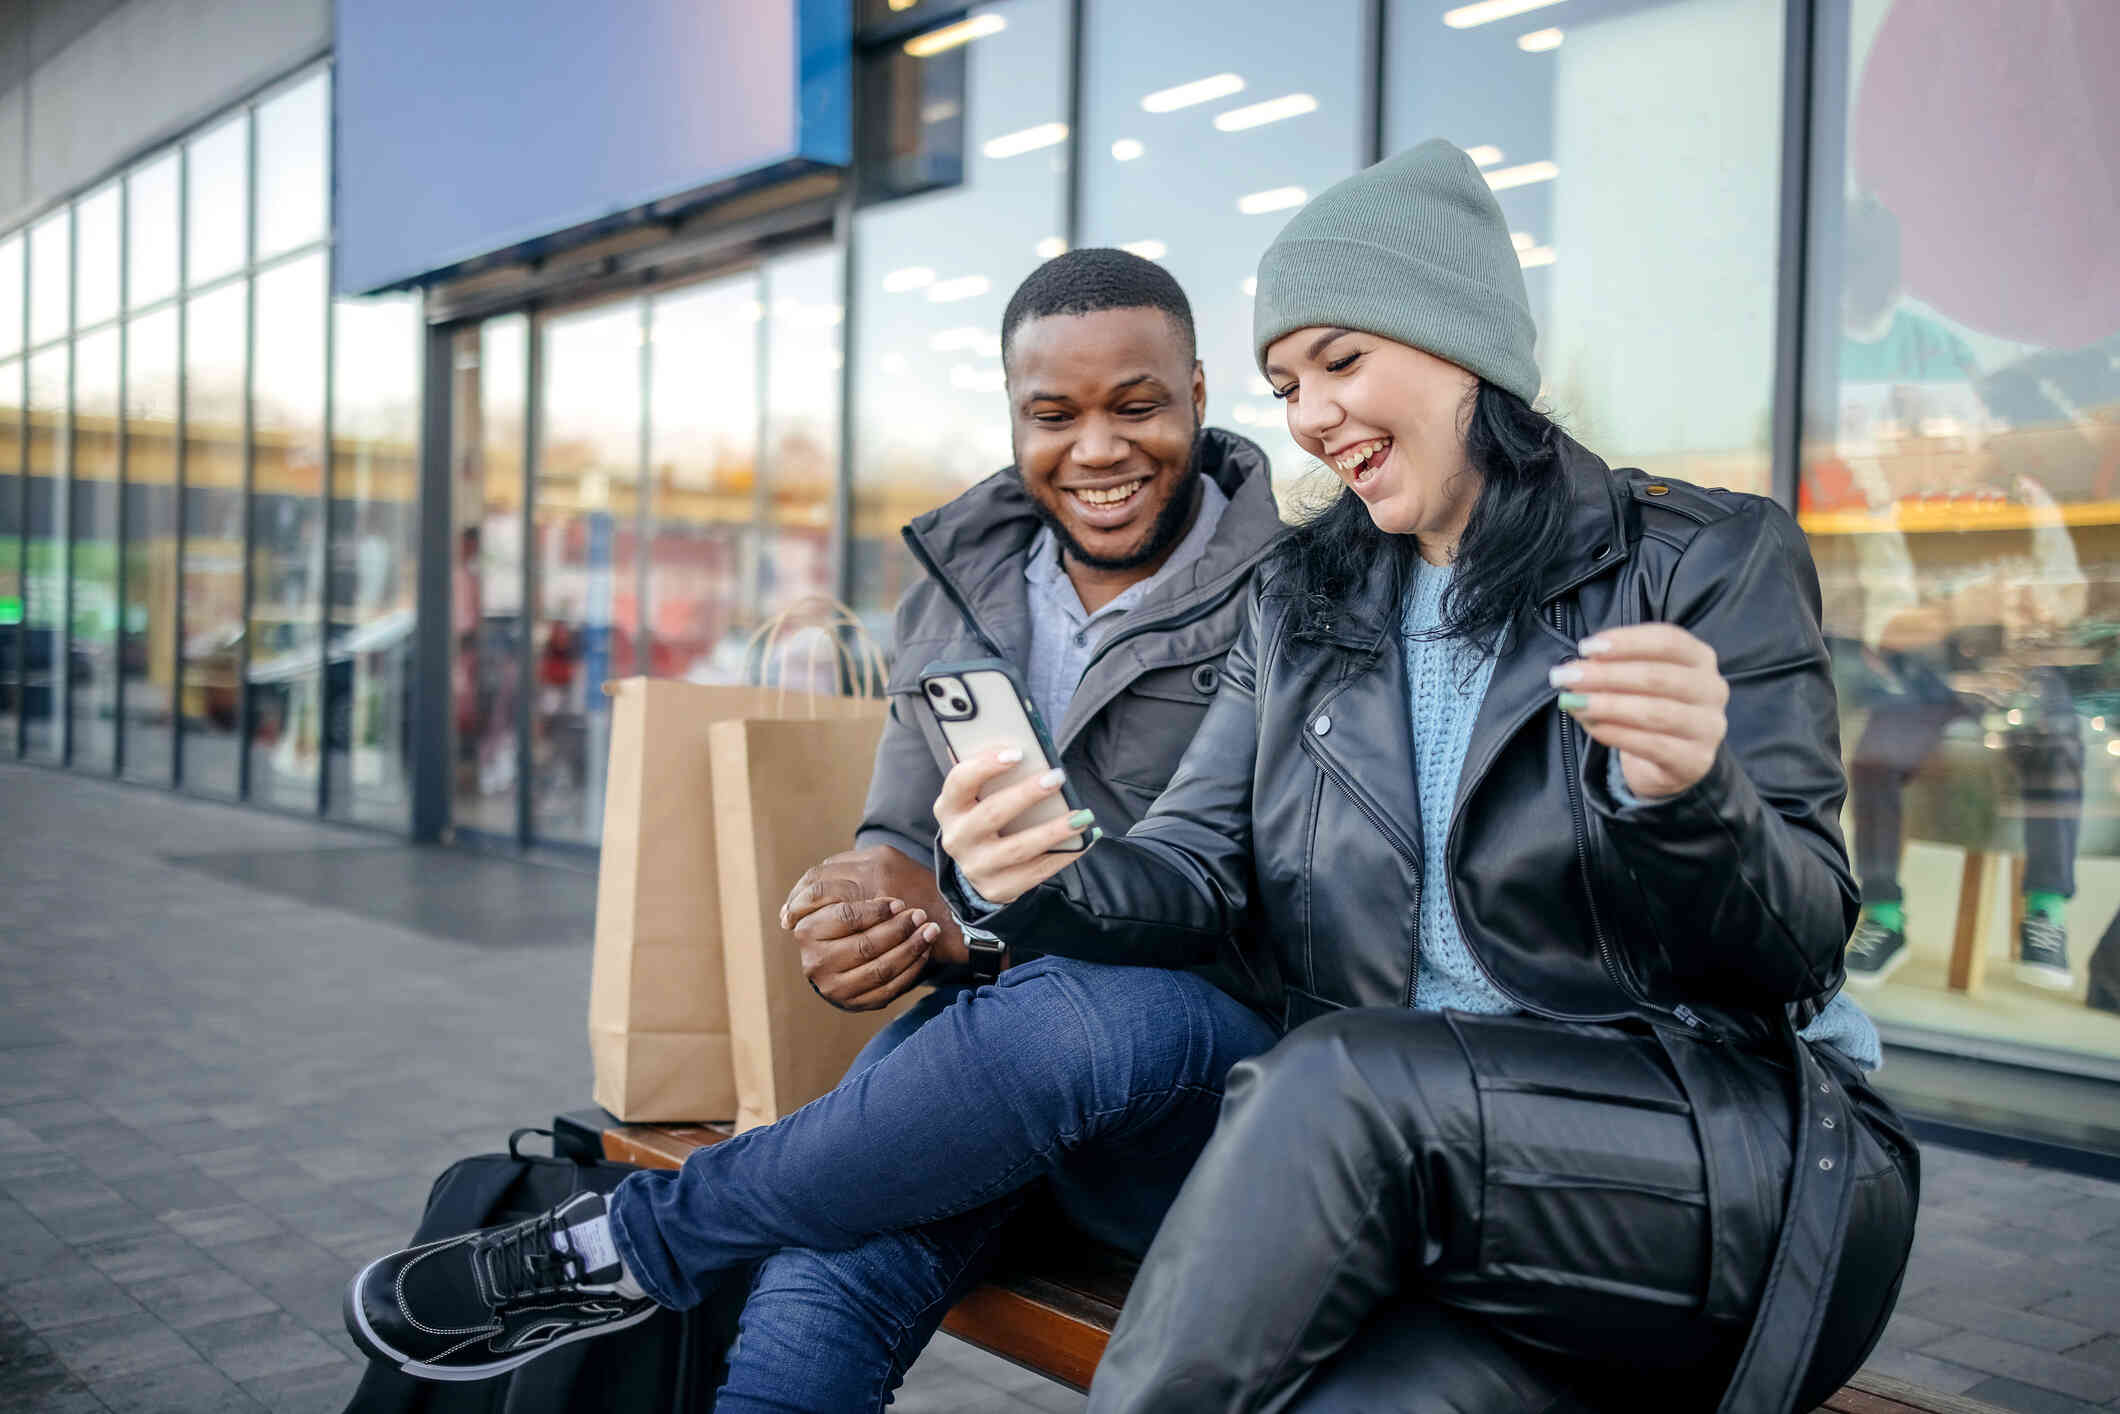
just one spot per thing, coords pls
(1446, 680)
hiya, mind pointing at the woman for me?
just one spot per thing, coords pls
(1543, 1113)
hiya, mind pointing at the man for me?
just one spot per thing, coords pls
(1112, 565)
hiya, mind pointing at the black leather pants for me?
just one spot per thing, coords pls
(1418, 1211)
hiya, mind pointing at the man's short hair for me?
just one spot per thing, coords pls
(1092, 280)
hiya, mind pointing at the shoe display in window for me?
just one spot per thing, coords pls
(2042, 953)
(1875, 952)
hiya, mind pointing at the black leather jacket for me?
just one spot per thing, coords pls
(1288, 844)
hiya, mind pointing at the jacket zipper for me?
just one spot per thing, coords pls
(1399, 842)
(1581, 819)
(956, 596)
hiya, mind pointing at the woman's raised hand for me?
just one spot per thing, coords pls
(1003, 868)
(1654, 694)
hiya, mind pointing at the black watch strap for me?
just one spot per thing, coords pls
(988, 952)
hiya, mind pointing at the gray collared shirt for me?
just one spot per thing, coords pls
(1064, 636)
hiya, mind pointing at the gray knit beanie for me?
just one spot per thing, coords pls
(1414, 249)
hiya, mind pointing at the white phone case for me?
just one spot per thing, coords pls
(1001, 718)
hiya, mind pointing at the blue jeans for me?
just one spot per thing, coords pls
(883, 1197)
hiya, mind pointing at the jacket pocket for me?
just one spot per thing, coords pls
(1142, 733)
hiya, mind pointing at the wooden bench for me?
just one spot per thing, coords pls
(1052, 1309)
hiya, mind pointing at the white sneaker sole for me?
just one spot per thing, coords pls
(2038, 974)
(376, 1348)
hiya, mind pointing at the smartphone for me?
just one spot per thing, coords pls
(982, 704)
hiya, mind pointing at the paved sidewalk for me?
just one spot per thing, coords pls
(218, 1094)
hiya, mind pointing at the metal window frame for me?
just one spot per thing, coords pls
(20, 665)
(1785, 400)
(121, 449)
(245, 715)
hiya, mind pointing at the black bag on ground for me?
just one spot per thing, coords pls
(670, 1364)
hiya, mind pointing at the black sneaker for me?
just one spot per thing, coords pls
(471, 1307)
(1875, 952)
(2042, 953)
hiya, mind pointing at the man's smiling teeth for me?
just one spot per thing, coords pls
(1354, 456)
(1110, 495)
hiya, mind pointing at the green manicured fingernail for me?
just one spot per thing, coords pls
(1081, 819)
(1096, 834)
(1573, 702)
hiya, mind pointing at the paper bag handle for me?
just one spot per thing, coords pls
(861, 659)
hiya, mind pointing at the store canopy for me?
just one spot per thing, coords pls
(483, 127)
(1991, 128)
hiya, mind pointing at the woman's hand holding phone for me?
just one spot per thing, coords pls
(1001, 867)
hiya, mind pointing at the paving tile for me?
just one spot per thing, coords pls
(2079, 1379)
(2103, 1351)
(217, 1227)
(43, 1384)
(2042, 1332)
(323, 1390)
(2086, 1308)
(2028, 1399)
(194, 1388)
(171, 1187)
(125, 1345)
(256, 1347)
(201, 1298)
(133, 1259)
(1908, 1332)
(48, 1303)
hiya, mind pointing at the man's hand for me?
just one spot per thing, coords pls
(867, 922)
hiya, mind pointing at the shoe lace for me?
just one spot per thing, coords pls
(2043, 934)
(525, 1260)
(1870, 937)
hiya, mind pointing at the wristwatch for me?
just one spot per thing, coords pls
(989, 954)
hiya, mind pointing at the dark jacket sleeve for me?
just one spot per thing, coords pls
(1176, 890)
(1745, 876)
(900, 811)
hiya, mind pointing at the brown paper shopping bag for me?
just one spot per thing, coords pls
(658, 1002)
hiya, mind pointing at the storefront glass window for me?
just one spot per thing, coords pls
(802, 427)
(151, 232)
(588, 500)
(51, 263)
(287, 534)
(1961, 489)
(148, 646)
(96, 258)
(489, 380)
(211, 580)
(93, 520)
(44, 667)
(933, 274)
(1199, 141)
(294, 166)
(703, 444)
(13, 631)
(11, 251)
(1635, 146)
(374, 557)
(217, 221)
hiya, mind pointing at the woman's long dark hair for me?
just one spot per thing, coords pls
(1516, 527)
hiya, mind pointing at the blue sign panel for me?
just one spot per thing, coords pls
(478, 126)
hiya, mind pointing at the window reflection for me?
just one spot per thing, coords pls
(491, 375)
(151, 232)
(211, 579)
(96, 256)
(93, 519)
(588, 485)
(703, 421)
(44, 673)
(294, 191)
(1962, 494)
(218, 201)
(287, 534)
(12, 628)
(11, 307)
(374, 557)
(148, 649)
(802, 427)
(934, 274)
(1637, 155)
(1184, 125)
(50, 277)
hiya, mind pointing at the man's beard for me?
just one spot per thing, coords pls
(1169, 527)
